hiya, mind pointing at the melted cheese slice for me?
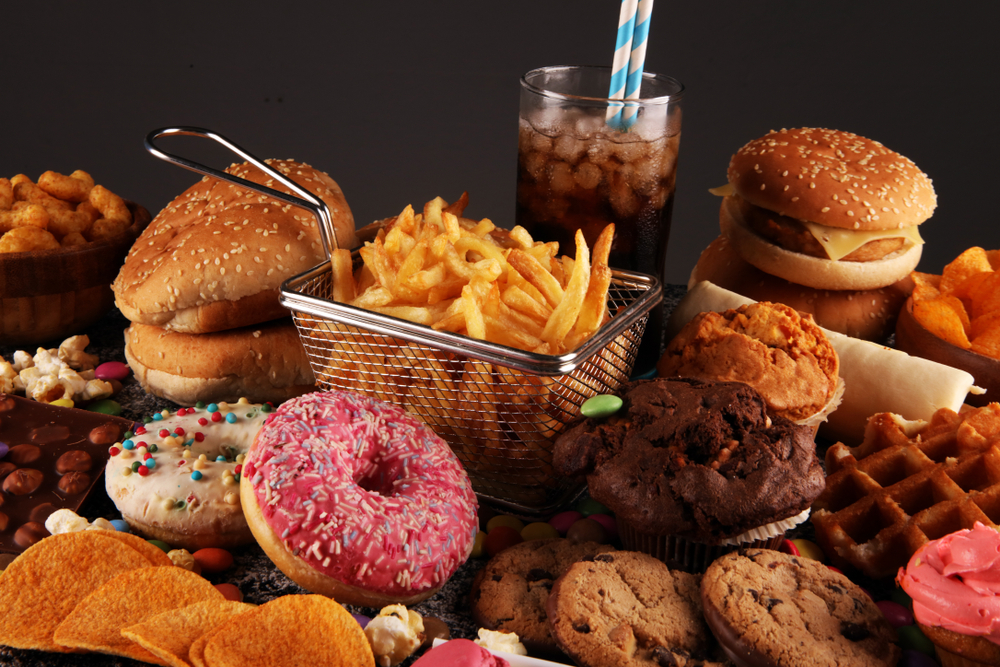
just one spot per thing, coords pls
(839, 242)
(842, 242)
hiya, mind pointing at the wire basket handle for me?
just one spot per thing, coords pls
(306, 199)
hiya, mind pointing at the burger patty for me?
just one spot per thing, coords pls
(791, 234)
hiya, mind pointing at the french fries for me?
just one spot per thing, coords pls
(466, 276)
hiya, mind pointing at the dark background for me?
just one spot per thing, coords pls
(401, 102)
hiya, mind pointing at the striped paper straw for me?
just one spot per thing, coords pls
(620, 66)
(633, 83)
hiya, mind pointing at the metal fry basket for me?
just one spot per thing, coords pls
(499, 408)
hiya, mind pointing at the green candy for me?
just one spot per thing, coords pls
(106, 407)
(899, 596)
(589, 506)
(163, 546)
(911, 637)
(604, 405)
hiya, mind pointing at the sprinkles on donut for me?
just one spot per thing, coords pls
(176, 479)
(356, 499)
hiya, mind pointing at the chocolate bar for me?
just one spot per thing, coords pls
(50, 458)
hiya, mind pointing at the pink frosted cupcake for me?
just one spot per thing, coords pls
(955, 586)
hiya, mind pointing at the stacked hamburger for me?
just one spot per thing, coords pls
(824, 221)
(201, 288)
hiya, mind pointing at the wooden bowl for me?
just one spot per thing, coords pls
(914, 339)
(48, 295)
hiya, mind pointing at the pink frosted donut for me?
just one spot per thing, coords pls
(356, 499)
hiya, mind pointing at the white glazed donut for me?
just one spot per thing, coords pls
(177, 478)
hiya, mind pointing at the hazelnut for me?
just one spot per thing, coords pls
(42, 512)
(4, 520)
(73, 483)
(105, 434)
(75, 460)
(23, 481)
(22, 455)
(30, 533)
(6, 467)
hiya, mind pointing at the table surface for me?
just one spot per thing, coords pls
(252, 572)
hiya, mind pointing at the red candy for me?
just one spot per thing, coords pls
(562, 521)
(217, 416)
(230, 592)
(213, 560)
(199, 436)
(202, 421)
(501, 538)
(164, 432)
(147, 456)
(112, 370)
(788, 547)
(179, 431)
(114, 451)
(895, 613)
(143, 471)
(140, 430)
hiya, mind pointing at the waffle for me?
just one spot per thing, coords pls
(908, 482)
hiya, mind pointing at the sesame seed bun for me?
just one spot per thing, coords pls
(832, 178)
(215, 257)
(866, 314)
(262, 363)
(815, 272)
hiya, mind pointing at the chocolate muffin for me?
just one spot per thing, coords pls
(693, 469)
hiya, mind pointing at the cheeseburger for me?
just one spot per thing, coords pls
(815, 215)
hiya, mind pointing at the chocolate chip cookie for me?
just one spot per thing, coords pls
(770, 608)
(626, 609)
(509, 594)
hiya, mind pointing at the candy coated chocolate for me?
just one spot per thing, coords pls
(112, 370)
(562, 521)
(587, 530)
(106, 407)
(598, 407)
(895, 613)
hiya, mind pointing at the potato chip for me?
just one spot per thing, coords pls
(969, 263)
(944, 317)
(290, 630)
(988, 343)
(984, 323)
(40, 588)
(155, 555)
(169, 635)
(985, 297)
(131, 597)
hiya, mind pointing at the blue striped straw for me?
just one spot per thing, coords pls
(633, 83)
(619, 68)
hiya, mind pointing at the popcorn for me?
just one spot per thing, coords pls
(53, 374)
(394, 634)
(71, 352)
(506, 642)
(68, 521)
(182, 558)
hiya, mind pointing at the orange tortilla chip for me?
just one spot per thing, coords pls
(944, 317)
(988, 343)
(43, 585)
(169, 635)
(97, 621)
(969, 263)
(291, 630)
(985, 297)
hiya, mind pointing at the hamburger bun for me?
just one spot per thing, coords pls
(826, 209)
(264, 363)
(866, 314)
(215, 257)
